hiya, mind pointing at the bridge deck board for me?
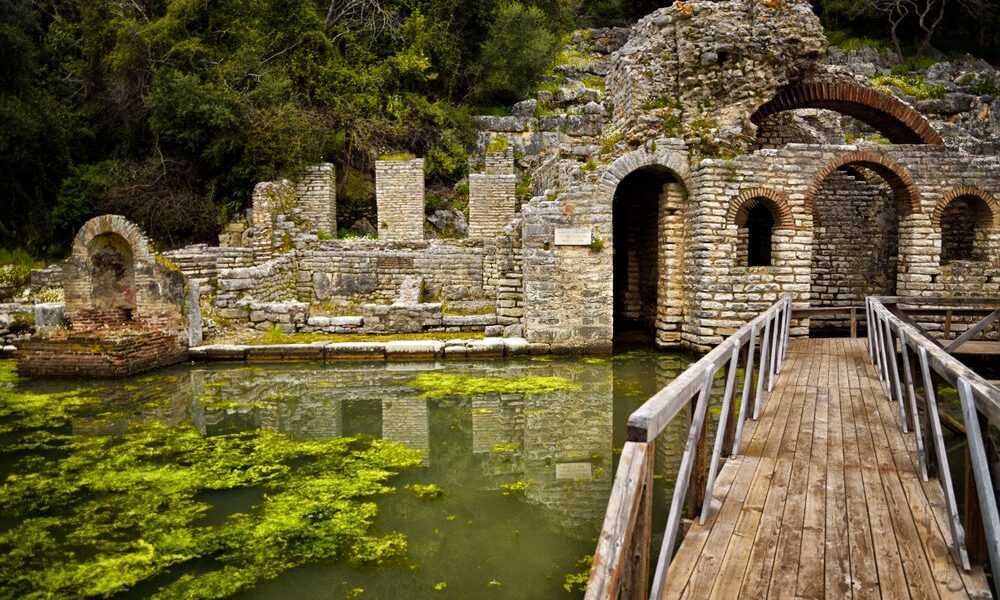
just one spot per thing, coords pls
(826, 501)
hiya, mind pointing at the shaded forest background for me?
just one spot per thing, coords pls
(170, 111)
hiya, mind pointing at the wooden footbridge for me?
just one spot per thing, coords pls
(828, 474)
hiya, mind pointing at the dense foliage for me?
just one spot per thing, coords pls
(168, 111)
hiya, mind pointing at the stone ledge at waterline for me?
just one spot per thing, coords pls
(491, 347)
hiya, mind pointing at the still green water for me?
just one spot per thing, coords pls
(524, 477)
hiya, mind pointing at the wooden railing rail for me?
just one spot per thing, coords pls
(622, 558)
(901, 352)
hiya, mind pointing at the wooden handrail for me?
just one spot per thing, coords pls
(893, 341)
(621, 560)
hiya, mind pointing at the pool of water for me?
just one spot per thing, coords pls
(524, 478)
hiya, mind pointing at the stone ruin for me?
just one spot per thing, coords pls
(124, 308)
(691, 170)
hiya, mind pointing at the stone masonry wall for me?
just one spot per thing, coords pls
(492, 200)
(856, 232)
(399, 194)
(317, 194)
(372, 270)
(672, 297)
(710, 65)
(268, 282)
(929, 172)
(568, 289)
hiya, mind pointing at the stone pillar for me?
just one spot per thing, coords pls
(399, 193)
(670, 285)
(317, 194)
(492, 201)
(266, 196)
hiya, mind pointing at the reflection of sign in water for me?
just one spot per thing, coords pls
(573, 236)
(574, 470)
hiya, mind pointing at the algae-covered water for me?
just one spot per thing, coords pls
(412, 480)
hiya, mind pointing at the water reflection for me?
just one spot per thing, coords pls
(557, 450)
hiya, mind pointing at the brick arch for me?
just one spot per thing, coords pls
(776, 202)
(115, 224)
(638, 159)
(897, 121)
(958, 192)
(904, 189)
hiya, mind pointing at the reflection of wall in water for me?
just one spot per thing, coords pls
(163, 398)
(314, 417)
(670, 444)
(567, 450)
(405, 420)
(497, 433)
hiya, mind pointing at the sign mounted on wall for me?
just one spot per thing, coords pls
(573, 236)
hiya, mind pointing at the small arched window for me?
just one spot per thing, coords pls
(964, 223)
(759, 225)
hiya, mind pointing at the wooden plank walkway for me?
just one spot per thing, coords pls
(826, 501)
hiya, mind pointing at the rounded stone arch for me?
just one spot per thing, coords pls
(112, 224)
(905, 190)
(747, 200)
(625, 165)
(897, 121)
(958, 192)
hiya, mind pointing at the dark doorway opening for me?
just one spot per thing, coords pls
(638, 253)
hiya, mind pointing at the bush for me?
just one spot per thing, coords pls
(519, 48)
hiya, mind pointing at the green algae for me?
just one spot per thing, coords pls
(439, 385)
(131, 507)
(426, 492)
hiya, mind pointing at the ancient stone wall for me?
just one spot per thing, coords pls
(268, 282)
(399, 193)
(112, 277)
(855, 239)
(492, 201)
(317, 198)
(363, 270)
(568, 289)
(93, 354)
(707, 66)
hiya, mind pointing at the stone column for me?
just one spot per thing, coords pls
(317, 194)
(492, 201)
(266, 196)
(399, 193)
(670, 286)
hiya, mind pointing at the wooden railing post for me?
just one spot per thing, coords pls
(635, 582)
(699, 468)
(747, 399)
(762, 369)
(982, 531)
(729, 432)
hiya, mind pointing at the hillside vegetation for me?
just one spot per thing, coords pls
(169, 111)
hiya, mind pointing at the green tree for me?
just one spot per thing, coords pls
(518, 49)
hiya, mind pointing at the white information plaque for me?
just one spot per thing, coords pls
(573, 236)
(578, 470)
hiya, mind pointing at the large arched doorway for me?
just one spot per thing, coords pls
(857, 203)
(647, 220)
